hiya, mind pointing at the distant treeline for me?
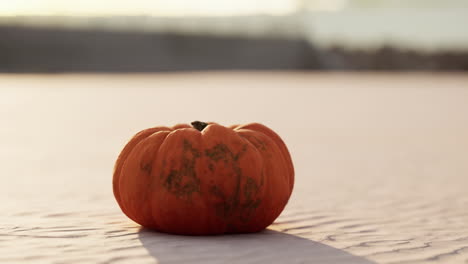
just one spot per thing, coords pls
(34, 49)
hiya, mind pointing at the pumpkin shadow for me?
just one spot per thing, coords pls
(265, 247)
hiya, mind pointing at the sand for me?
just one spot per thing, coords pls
(381, 165)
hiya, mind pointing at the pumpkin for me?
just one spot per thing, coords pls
(204, 179)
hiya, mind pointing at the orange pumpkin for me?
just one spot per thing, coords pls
(204, 179)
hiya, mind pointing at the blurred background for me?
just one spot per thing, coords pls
(381, 158)
(178, 35)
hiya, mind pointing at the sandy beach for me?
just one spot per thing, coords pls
(381, 165)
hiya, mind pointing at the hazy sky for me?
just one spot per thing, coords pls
(201, 7)
(159, 7)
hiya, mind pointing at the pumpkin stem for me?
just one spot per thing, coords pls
(199, 125)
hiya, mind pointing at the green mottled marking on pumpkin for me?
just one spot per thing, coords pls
(252, 204)
(172, 177)
(163, 166)
(146, 167)
(211, 166)
(219, 152)
(175, 183)
(249, 208)
(243, 150)
(250, 187)
(230, 205)
(184, 182)
(222, 152)
(188, 147)
(216, 191)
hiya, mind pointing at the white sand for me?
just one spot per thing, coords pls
(381, 166)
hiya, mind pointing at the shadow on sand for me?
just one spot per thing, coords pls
(264, 247)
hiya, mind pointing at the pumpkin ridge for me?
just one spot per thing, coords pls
(280, 143)
(155, 151)
(250, 135)
(284, 151)
(222, 152)
(229, 208)
(137, 138)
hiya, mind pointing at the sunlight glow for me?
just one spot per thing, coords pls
(146, 7)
